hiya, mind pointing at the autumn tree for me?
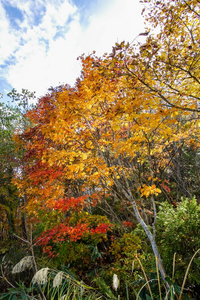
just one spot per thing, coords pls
(121, 128)
(168, 62)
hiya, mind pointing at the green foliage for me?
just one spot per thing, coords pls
(9, 201)
(24, 99)
(68, 288)
(104, 288)
(11, 120)
(20, 292)
(178, 232)
(123, 253)
(75, 254)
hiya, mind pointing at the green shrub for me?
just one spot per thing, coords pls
(178, 232)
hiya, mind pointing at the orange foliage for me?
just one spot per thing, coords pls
(97, 135)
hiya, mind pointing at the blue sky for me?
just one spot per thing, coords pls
(41, 39)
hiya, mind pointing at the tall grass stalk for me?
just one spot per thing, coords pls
(174, 263)
(145, 276)
(127, 292)
(146, 283)
(67, 288)
(186, 274)
(159, 286)
(170, 291)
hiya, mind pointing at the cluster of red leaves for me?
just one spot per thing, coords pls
(76, 204)
(58, 233)
(127, 223)
(41, 171)
(101, 228)
(64, 232)
(70, 203)
(165, 187)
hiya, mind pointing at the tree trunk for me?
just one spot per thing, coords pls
(150, 236)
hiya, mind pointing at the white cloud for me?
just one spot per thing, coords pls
(43, 61)
(9, 40)
(121, 22)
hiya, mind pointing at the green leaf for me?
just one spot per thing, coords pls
(148, 297)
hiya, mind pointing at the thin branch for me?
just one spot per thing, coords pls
(155, 91)
(5, 279)
(194, 11)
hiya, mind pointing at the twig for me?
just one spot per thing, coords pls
(4, 278)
